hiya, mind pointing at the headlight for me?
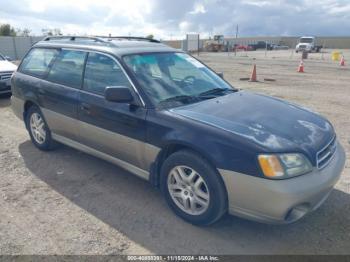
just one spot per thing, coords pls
(282, 166)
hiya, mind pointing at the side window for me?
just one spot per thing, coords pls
(37, 62)
(68, 68)
(102, 71)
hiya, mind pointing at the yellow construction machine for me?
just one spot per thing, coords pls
(217, 44)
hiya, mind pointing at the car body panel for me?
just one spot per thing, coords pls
(17, 105)
(165, 129)
(262, 120)
(228, 131)
(144, 174)
(281, 201)
(120, 131)
(118, 49)
(59, 105)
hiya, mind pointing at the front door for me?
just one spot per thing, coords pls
(116, 129)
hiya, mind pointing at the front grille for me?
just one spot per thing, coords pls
(5, 75)
(325, 155)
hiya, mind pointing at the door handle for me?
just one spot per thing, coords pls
(85, 107)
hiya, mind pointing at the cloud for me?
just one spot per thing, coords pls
(176, 18)
(198, 9)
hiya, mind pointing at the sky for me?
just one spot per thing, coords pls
(172, 19)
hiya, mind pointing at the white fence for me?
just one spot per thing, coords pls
(17, 47)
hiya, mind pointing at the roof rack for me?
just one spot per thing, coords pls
(102, 39)
(73, 38)
(137, 38)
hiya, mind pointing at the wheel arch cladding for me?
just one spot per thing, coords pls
(169, 149)
(28, 104)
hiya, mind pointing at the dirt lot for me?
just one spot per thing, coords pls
(66, 202)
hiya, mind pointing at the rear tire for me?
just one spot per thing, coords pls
(193, 188)
(38, 129)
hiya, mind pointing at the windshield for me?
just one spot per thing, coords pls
(175, 78)
(306, 40)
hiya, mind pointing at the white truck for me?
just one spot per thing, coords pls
(308, 44)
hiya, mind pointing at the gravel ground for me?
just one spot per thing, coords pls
(67, 202)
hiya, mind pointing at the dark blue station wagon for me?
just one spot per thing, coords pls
(168, 118)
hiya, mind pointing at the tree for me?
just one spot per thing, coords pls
(23, 32)
(150, 36)
(57, 31)
(26, 32)
(7, 30)
(51, 32)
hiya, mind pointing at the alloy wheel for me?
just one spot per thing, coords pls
(188, 190)
(37, 128)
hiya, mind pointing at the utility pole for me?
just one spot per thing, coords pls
(198, 43)
(236, 40)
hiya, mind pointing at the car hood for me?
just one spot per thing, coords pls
(7, 66)
(272, 124)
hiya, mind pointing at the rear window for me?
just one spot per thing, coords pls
(68, 68)
(37, 62)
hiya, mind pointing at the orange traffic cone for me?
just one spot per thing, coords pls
(301, 67)
(253, 77)
(342, 61)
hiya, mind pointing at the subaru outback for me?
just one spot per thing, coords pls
(168, 118)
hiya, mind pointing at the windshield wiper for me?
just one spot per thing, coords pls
(180, 98)
(202, 96)
(215, 91)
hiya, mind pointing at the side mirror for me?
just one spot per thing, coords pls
(8, 58)
(119, 94)
(220, 74)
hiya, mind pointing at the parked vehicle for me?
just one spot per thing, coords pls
(260, 45)
(238, 47)
(308, 44)
(168, 118)
(6, 70)
(279, 47)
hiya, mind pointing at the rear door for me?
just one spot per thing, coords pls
(117, 129)
(60, 93)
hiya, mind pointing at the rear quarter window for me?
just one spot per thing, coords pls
(37, 62)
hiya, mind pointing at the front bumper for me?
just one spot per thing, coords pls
(281, 201)
(5, 88)
(300, 49)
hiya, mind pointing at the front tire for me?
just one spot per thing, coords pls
(38, 129)
(192, 188)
